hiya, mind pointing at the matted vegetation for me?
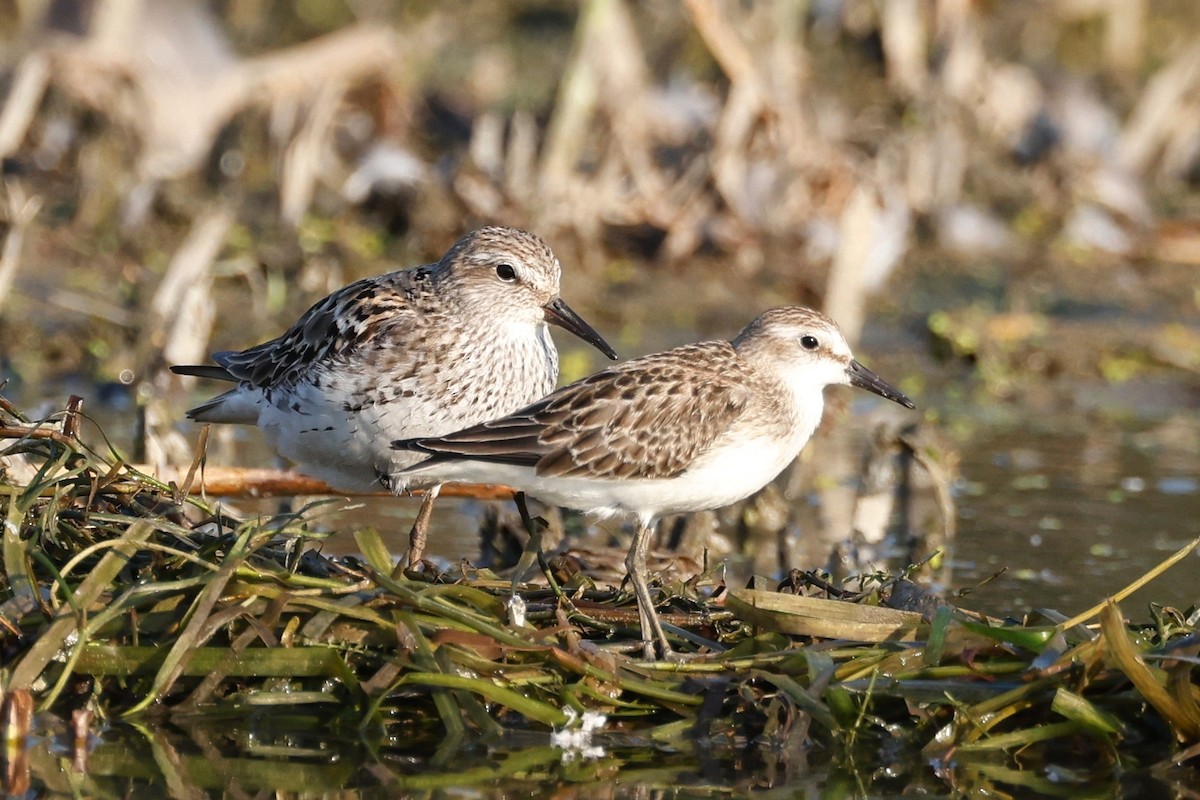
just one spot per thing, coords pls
(126, 597)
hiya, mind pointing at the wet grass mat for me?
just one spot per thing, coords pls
(126, 598)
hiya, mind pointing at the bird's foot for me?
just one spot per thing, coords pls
(421, 570)
(654, 638)
(661, 652)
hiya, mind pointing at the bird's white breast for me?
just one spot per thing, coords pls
(328, 431)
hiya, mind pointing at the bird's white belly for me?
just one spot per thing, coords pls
(725, 476)
(348, 450)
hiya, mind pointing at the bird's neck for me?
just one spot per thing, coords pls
(802, 396)
(810, 405)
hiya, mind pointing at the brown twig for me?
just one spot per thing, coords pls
(256, 482)
(34, 432)
(71, 418)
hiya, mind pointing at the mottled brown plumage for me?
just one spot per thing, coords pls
(694, 428)
(624, 422)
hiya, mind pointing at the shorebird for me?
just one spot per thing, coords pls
(416, 352)
(698, 427)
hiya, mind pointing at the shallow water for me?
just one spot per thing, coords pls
(290, 754)
(1073, 515)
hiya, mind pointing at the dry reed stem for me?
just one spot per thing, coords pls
(176, 108)
(1152, 127)
(28, 85)
(20, 211)
(182, 307)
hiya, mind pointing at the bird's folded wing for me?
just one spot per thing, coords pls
(348, 320)
(648, 418)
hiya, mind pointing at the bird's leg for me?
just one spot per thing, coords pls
(420, 527)
(635, 562)
(533, 545)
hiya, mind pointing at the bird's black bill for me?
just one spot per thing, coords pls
(211, 371)
(863, 378)
(560, 314)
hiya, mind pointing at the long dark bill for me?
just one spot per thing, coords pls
(560, 314)
(863, 378)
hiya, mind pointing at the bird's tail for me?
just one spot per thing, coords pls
(233, 407)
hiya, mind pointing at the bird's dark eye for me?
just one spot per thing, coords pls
(809, 342)
(506, 272)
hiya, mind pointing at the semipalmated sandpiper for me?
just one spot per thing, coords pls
(694, 428)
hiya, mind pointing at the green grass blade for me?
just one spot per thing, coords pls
(193, 633)
(34, 662)
(1077, 709)
(528, 707)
